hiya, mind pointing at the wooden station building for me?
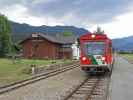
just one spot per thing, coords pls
(42, 46)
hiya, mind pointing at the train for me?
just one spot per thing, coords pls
(96, 53)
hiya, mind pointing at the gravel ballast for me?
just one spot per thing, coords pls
(48, 89)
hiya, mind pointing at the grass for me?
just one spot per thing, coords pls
(14, 71)
(128, 56)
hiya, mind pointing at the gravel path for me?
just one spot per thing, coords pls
(121, 86)
(48, 89)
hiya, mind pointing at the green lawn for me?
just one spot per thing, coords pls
(11, 72)
(128, 56)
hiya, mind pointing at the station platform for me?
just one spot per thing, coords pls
(121, 85)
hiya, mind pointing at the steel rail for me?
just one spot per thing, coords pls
(36, 78)
(89, 89)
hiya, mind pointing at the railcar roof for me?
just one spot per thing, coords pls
(88, 36)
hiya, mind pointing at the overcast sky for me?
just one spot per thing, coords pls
(114, 16)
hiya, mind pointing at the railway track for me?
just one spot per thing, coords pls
(36, 78)
(92, 88)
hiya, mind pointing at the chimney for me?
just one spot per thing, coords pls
(34, 35)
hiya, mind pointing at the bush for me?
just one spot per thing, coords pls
(26, 70)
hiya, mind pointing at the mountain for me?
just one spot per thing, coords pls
(20, 31)
(123, 44)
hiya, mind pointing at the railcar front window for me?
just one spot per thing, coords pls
(94, 48)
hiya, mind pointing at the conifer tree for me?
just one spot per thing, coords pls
(5, 36)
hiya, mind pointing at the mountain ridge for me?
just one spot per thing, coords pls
(21, 31)
(123, 44)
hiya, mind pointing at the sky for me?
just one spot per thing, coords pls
(115, 17)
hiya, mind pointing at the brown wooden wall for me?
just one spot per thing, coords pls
(44, 49)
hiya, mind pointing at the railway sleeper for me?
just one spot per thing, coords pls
(78, 92)
(97, 98)
(77, 97)
(97, 93)
(87, 86)
(84, 91)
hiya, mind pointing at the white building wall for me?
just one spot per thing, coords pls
(75, 50)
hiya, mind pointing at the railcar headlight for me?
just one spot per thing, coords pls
(93, 36)
(103, 58)
(84, 58)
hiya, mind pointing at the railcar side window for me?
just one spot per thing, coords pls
(94, 48)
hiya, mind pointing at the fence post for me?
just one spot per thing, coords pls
(33, 69)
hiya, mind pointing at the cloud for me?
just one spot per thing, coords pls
(90, 11)
(81, 13)
(120, 27)
(93, 11)
(24, 17)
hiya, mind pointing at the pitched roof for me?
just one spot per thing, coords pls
(55, 39)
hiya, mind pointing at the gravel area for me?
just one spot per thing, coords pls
(121, 86)
(47, 89)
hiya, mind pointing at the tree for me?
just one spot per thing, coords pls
(5, 36)
(99, 31)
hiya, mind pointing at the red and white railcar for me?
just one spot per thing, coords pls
(96, 53)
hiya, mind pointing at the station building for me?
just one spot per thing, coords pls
(41, 46)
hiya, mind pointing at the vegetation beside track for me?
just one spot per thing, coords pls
(11, 71)
(128, 56)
